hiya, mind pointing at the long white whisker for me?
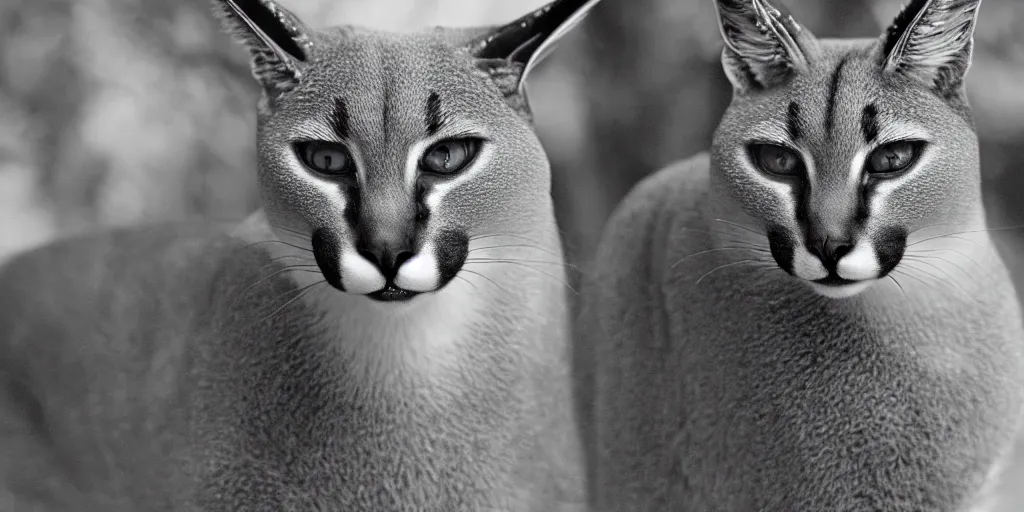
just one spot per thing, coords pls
(716, 269)
(529, 267)
(719, 249)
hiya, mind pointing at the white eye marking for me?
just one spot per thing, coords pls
(860, 263)
(328, 189)
(421, 273)
(807, 266)
(412, 162)
(359, 275)
(437, 192)
(857, 167)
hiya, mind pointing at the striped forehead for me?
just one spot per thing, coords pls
(835, 105)
(432, 118)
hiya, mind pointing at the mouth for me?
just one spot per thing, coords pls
(834, 280)
(835, 287)
(392, 293)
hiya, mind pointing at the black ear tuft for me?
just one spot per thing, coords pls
(764, 45)
(277, 41)
(511, 51)
(931, 41)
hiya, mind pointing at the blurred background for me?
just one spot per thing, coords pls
(116, 112)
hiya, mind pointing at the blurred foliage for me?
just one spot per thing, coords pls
(121, 111)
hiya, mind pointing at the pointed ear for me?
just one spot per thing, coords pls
(764, 45)
(277, 41)
(931, 41)
(512, 51)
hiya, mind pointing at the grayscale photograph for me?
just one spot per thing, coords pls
(511, 256)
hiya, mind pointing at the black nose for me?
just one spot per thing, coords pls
(830, 250)
(388, 258)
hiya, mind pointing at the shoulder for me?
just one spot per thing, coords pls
(676, 191)
(99, 259)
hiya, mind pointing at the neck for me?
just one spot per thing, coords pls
(430, 339)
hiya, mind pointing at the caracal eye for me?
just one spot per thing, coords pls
(894, 157)
(450, 156)
(775, 159)
(325, 157)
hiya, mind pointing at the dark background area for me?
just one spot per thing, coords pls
(117, 112)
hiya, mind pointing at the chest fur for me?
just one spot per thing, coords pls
(914, 398)
(310, 411)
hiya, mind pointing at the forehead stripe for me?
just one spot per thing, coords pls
(869, 123)
(338, 119)
(434, 118)
(793, 122)
(833, 90)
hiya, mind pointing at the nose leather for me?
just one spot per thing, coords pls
(388, 256)
(830, 250)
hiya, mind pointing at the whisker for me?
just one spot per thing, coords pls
(900, 286)
(745, 228)
(919, 257)
(965, 255)
(559, 263)
(985, 230)
(301, 268)
(511, 235)
(512, 246)
(716, 269)
(955, 236)
(922, 281)
(952, 283)
(922, 228)
(535, 270)
(311, 263)
(277, 242)
(756, 249)
(467, 281)
(292, 231)
(302, 292)
(464, 269)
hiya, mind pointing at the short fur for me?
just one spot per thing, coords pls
(192, 367)
(724, 378)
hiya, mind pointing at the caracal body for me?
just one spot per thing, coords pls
(374, 339)
(812, 315)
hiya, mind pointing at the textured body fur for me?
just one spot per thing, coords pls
(193, 367)
(120, 398)
(725, 381)
(749, 391)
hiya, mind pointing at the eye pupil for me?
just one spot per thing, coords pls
(325, 157)
(894, 157)
(445, 154)
(775, 160)
(451, 156)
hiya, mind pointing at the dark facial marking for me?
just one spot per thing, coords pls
(782, 246)
(793, 122)
(869, 123)
(352, 204)
(801, 194)
(833, 90)
(328, 257)
(339, 119)
(890, 243)
(452, 250)
(422, 210)
(435, 119)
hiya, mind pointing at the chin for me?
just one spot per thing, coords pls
(840, 289)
